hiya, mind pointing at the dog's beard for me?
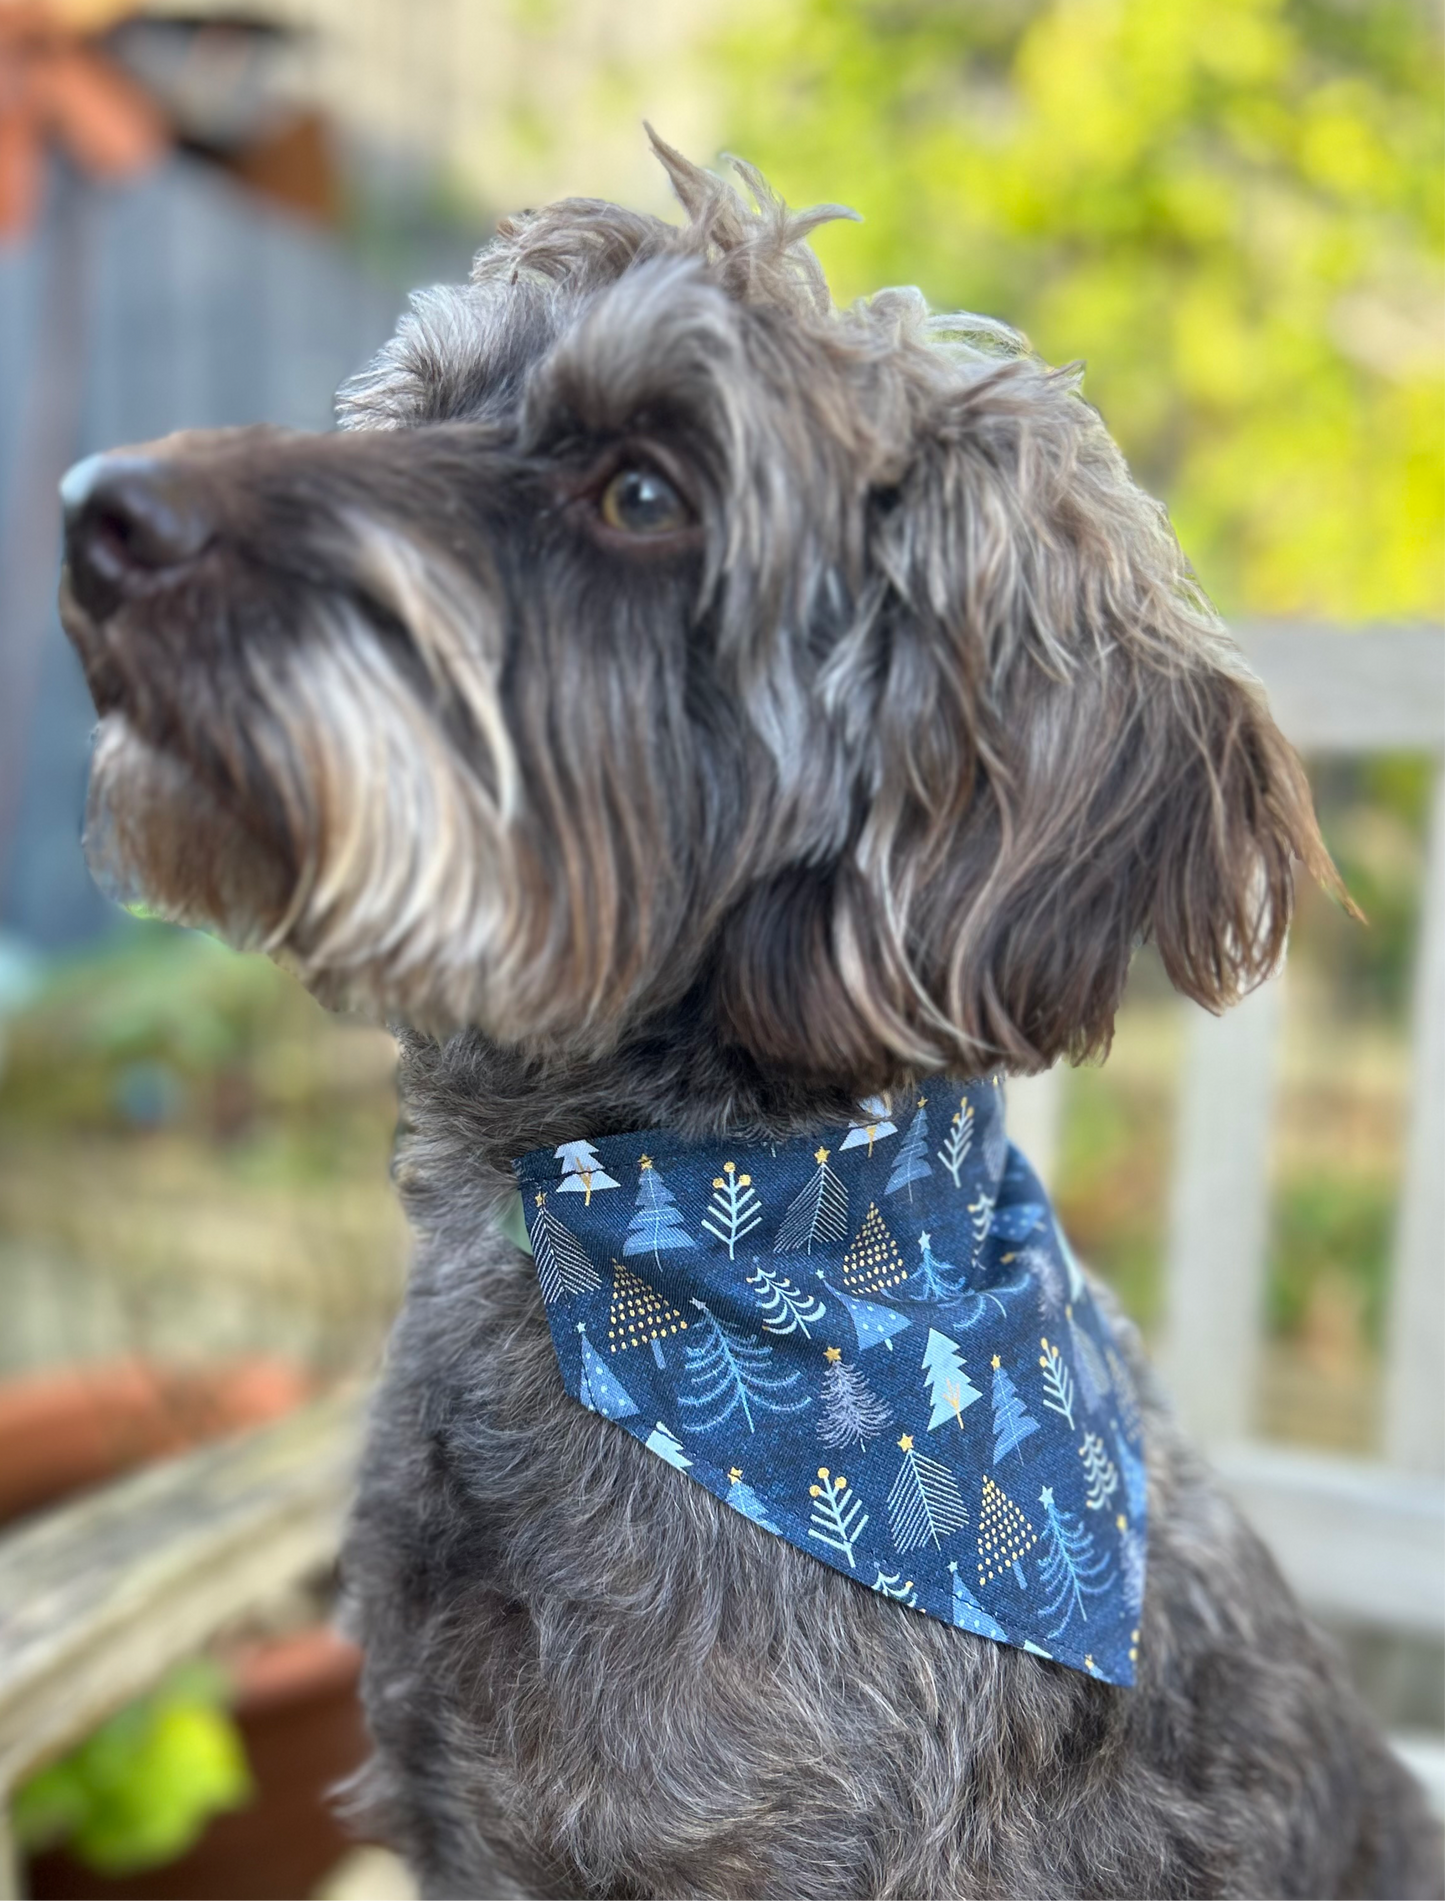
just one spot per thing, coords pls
(381, 865)
(159, 839)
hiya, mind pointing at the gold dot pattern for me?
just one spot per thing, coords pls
(873, 1262)
(639, 1313)
(1004, 1534)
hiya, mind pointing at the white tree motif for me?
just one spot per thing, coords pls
(562, 1266)
(1100, 1472)
(837, 1518)
(959, 1140)
(734, 1210)
(852, 1413)
(786, 1308)
(817, 1213)
(1058, 1386)
(923, 1505)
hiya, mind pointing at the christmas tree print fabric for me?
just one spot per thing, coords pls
(874, 1342)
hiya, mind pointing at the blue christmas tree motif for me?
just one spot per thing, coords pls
(959, 1140)
(871, 1124)
(1069, 1567)
(667, 1447)
(874, 1324)
(562, 1266)
(1012, 1423)
(744, 1499)
(1101, 1476)
(1058, 1386)
(931, 1274)
(912, 1164)
(837, 1517)
(733, 1211)
(786, 1308)
(817, 1213)
(732, 1370)
(599, 1390)
(980, 1215)
(949, 1387)
(893, 1584)
(923, 1504)
(969, 1614)
(656, 1227)
(1136, 1477)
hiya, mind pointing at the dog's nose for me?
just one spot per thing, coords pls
(128, 520)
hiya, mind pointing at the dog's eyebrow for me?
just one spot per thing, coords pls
(661, 341)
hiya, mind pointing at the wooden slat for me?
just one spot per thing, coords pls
(1356, 1540)
(1035, 1113)
(1353, 690)
(99, 1598)
(1415, 1376)
(1424, 1756)
(1214, 1283)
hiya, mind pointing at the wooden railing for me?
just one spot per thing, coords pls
(99, 1597)
(1362, 1541)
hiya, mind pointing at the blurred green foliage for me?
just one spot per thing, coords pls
(1231, 208)
(140, 1791)
(159, 1027)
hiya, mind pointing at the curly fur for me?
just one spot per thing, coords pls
(887, 762)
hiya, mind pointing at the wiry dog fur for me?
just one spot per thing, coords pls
(885, 759)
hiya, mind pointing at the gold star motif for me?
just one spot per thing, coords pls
(735, 1474)
(1122, 1522)
(541, 1199)
(905, 1444)
(820, 1156)
(923, 1102)
(832, 1355)
(644, 1161)
(995, 1363)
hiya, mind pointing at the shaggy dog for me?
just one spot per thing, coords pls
(681, 703)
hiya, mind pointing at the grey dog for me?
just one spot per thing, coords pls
(680, 702)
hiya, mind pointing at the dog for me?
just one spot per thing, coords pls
(681, 704)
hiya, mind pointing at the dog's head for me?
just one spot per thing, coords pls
(655, 633)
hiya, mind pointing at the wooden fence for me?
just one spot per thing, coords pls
(101, 1596)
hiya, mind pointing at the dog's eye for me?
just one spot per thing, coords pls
(639, 501)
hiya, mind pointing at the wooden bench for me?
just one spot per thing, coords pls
(100, 1597)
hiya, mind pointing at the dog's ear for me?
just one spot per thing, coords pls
(1066, 757)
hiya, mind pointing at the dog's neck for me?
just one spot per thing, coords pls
(471, 1098)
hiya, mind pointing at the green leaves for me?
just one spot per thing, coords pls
(140, 1791)
(1230, 208)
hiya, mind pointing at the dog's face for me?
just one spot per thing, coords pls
(655, 635)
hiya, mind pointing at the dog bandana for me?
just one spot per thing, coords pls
(874, 1342)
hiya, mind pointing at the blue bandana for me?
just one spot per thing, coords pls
(874, 1342)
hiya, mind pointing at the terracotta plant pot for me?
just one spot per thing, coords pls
(296, 1703)
(64, 1430)
(298, 1714)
